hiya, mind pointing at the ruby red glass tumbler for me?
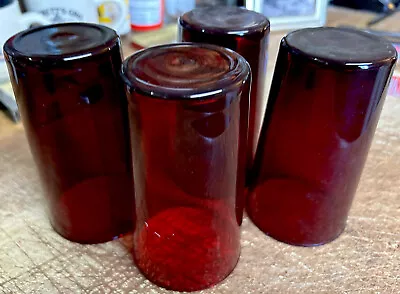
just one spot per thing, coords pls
(188, 110)
(73, 105)
(327, 94)
(247, 33)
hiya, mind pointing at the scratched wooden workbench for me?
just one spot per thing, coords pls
(365, 259)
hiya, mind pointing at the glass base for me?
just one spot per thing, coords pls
(95, 211)
(296, 212)
(187, 249)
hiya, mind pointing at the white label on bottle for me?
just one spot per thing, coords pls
(145, 12)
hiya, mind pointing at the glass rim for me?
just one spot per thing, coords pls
(232, 79)
(103, 45)
(325, 61)
(239, 31)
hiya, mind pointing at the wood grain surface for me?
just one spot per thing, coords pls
(365, 259)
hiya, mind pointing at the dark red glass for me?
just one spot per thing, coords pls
(188, 107)
(247, 33)
(326, 98)
(73, 105)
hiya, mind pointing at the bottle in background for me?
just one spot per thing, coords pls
(175, 8)
(146, 15)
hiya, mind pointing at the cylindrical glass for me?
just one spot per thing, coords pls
(188, 110)
(73, 106)
(326, 98)
(247, 33)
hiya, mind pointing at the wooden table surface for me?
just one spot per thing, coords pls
(365, 259)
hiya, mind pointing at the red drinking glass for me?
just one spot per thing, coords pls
(326, 98)
(73, 105)
(188, 109)
(247, 33)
